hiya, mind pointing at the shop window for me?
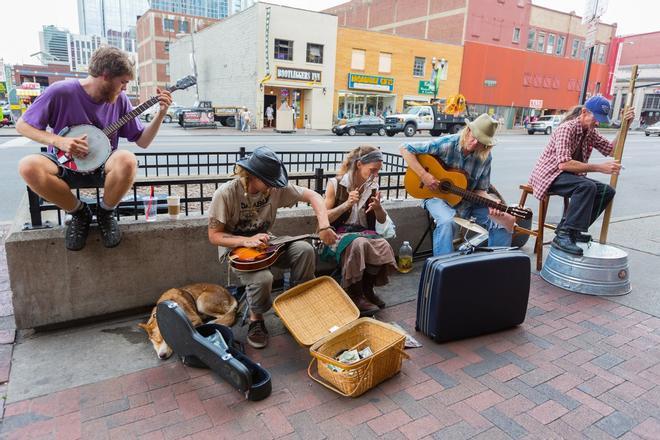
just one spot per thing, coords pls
(283, 50)
(314, 53)
(516, 35)
(385, 62)
(561, 41)
(575, 49)
(168, 25)
(418, 66)
(184, 27)
(550, 47)
(357, 59)
(651, 102)
(531, 38)
(540, 42)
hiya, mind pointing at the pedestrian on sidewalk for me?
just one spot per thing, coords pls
(563, 166)
(241, 214)
(98, 100)
(269, 115)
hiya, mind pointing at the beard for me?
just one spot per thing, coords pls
(108, 94)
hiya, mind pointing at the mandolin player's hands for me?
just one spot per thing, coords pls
(76, 146)
(256, 241)
(328, 236)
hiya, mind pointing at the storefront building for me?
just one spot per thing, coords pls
(379, 74)
(266, 55)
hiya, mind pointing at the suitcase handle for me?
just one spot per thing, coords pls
(330, 386)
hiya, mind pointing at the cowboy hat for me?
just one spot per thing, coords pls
(264, 164)
(483, 128)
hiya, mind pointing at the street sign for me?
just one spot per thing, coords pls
(593, 9)
(592, 30)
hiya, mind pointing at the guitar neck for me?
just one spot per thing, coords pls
(115, 126)
(473, 197)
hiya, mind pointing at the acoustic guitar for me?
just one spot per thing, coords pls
(98, 140)
(452, 187)
(246, 259)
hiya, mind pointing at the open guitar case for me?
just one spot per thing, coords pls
(212, 346)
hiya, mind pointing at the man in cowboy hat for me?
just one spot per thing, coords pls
(469, 151)
(563, 166)
(241, 214)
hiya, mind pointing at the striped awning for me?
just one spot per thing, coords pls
(28, 92)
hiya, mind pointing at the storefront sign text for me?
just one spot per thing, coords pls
(536, 103)
(425, 88)
(30, 85)
(298, 74)
(369, 82)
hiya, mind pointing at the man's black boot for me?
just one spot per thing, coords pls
(564, 241)
(77, 230)
(110, 232)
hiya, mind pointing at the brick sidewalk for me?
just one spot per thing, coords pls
(579, 367)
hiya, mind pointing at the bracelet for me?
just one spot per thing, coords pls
(327, 227)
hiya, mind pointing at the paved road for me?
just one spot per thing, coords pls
(514, 156)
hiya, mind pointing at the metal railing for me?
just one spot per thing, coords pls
(194, 177)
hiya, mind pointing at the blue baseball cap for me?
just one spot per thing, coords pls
(600, 107)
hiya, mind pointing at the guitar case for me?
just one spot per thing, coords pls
(212, 346)
(464, 294)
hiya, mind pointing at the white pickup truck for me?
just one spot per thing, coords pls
(423, 117)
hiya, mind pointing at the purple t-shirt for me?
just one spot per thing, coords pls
(65, 104)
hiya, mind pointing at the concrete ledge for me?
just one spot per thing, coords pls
(51, 285)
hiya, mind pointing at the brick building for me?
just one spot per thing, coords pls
(156, 30)
(517, 57)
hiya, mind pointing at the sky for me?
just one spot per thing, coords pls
(20, 26)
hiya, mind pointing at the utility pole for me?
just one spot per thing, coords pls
(594, 9)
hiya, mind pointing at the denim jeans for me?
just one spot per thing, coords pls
(443, 234)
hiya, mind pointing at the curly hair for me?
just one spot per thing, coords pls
(111, 61)
(351, 158)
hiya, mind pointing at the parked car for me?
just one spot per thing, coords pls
(363, 124)
(652, 129)
(544, 124)
(172, 113)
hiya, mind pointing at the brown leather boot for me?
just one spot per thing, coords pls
(368, 281)
(357, 296)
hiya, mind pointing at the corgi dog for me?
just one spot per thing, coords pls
(197, 301)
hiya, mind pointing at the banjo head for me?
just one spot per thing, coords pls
(99, 147)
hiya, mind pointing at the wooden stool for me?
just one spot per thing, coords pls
(540, 224)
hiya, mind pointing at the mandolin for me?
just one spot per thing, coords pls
(452, 187)
(246, 259)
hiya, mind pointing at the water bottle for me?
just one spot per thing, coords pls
(405, 258)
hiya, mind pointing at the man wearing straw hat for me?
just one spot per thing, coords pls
(469, 151)
(97, 100)
(563, 166)
(242, 212)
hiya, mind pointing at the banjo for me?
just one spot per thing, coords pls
(98, 140)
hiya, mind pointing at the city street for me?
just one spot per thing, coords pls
(514, 158)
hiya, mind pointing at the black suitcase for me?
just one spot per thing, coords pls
(463, 295)
(212, 346)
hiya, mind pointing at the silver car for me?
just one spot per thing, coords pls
(653, 129)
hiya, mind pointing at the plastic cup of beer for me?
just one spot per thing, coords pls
(173, 207)
(150, 208)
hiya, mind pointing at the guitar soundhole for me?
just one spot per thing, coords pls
(445, 185)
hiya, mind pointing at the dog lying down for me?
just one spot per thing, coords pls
(197, 301)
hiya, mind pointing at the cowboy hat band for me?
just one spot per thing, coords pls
(264, 164)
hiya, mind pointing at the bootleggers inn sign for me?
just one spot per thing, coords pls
(298, 74)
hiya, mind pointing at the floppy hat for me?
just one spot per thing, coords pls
(600, 107)
(265, 164)
(483, 128)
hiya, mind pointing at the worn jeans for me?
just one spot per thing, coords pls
(589, 198)
(443, 234)
(299, 256)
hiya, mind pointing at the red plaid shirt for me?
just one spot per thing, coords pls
(562, 147)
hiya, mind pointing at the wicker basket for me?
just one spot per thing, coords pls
(320, 314)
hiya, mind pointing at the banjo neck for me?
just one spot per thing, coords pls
(119, 123)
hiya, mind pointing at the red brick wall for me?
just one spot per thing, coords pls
(644, 50)
(407, 9)
(446, 5)
(447, 30)
(492, 22)
(383, 14)
(415, 30)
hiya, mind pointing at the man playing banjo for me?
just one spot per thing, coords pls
(97, 100)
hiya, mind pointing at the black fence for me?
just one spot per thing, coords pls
(194, 177)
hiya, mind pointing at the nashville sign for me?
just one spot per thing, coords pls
(298, 74)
